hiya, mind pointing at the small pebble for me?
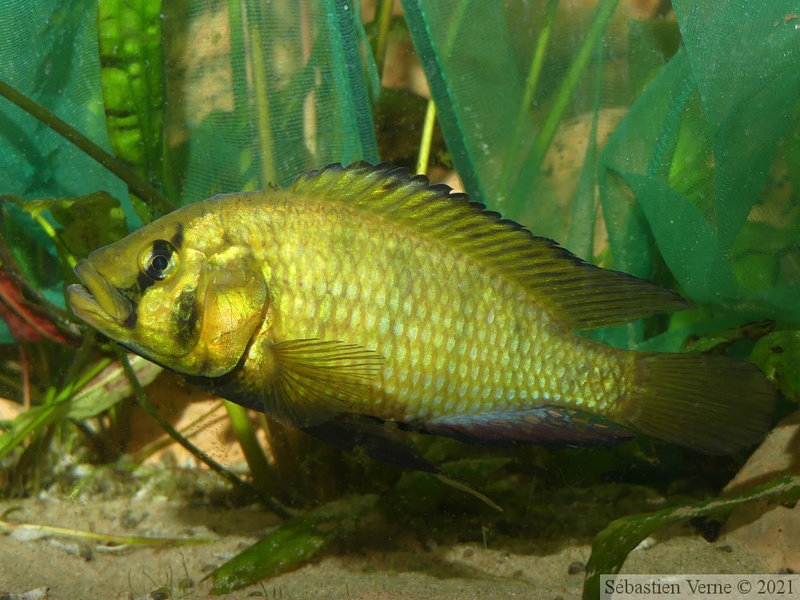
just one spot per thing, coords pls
(576, 567)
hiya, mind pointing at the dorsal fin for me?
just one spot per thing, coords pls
(580, 295)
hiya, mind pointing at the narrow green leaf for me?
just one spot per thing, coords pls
(38, 417)
(612, 545)
(30, 421)
(292, 544)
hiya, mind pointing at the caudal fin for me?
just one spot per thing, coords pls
(713, 404)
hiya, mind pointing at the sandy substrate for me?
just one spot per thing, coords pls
(410, 570)
(386, 559)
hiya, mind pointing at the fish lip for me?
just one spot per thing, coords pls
(97, 298)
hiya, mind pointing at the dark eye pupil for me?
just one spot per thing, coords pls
(159, 260)
(159, 263)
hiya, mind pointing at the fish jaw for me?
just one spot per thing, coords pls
(97, 301)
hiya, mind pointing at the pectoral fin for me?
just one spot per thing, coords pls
(313, 379)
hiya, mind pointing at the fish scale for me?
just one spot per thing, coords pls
(424, 308)
(361, 295)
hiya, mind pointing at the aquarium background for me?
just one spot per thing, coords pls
(657, 138)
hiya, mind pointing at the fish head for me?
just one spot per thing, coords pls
(176, 292)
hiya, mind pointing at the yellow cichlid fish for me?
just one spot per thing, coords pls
(360, 296)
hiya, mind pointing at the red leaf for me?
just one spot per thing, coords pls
(26, 321)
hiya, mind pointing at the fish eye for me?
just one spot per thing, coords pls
(159, 260)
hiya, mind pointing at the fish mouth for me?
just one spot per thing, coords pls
(97, 301)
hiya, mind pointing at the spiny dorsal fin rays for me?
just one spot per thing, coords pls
(578, 294)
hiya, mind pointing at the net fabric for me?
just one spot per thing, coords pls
(682, 126)
(199, 96)
(255, 92)
(49, 52)
(551, 109)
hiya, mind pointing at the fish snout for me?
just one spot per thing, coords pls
(97, 298)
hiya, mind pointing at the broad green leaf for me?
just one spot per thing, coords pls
(132, 77)
(612, 545)
(111, 386)
(89, 221)
(293, 543)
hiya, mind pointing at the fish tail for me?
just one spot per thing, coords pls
(712, 404)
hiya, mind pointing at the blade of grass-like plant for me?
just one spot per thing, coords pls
(383, 19)
(580, 237)
(532, 164)
(293, 543)
(55, 409)
(261, 94)
(615, 542)
(530, 91)
(31, 531)
(427, 138)
(137, 185)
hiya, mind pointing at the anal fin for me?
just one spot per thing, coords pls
(544, 426)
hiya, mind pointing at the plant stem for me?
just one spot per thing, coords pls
(144, 402)
(383, 18)
(260, 469)
(136, 184)
(427, 138)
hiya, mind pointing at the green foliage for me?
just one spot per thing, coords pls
(615, 542)
(293, 544)
(778, 354)
(88, 222)
(685, 132)
(133, 83)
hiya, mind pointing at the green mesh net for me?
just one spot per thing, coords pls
(201, 96)
(556, 111)
(198, 97)
(663, 143)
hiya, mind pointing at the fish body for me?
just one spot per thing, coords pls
(362, 292)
